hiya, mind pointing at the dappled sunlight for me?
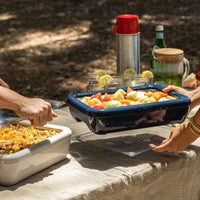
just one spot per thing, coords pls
(170, 20)
(51, 46)
(51, 39)
(155, 20)
(7, 16)
(152, 19)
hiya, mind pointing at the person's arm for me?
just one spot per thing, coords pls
(184, 134)
(38, 111)
(3, 83)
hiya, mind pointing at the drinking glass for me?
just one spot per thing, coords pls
(134, 80)
(92, 83)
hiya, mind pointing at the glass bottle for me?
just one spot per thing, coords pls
(160, 42)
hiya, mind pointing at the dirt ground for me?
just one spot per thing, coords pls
(47, 47)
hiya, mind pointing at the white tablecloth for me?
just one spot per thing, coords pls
(94, 173)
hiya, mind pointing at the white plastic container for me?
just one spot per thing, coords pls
(22, 164)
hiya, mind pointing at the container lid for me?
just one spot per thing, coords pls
(126, 24)
(168, 55)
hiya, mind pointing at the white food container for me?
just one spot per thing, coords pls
(22, 164)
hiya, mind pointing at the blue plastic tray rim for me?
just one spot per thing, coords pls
(181, 101)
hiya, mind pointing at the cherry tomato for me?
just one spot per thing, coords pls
(97, 95)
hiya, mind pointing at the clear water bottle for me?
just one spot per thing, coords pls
(159, 43)
(127, 42)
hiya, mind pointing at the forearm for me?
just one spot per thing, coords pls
(10, 99)
(197, 117)
(3, 83)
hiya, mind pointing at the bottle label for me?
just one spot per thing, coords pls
(154, 48)
(159, 35)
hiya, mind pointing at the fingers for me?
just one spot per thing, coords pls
(161, 148)
(164, 146)
(43, 116)
(35, 121)
(54, 115)
(47, 114)
(170, 87)
(174, 88)
(168, 146)
(164, 141)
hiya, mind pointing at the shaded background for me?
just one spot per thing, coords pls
(47, 47)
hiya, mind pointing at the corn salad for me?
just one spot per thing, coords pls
(14, 138)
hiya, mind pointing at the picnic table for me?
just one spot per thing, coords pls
(92, 172)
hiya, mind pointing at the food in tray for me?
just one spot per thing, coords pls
(17, 137)
(125, 98)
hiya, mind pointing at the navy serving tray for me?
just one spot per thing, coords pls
(107, 120)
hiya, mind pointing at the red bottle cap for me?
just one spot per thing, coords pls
(126, 24)
(198, 76)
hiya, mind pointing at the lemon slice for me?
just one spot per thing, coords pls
(147, 74)
(104, 80)
(100, 73)
(128, 72)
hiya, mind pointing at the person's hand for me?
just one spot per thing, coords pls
(176, 89)
(3, 83)
(38, 111)
(194, 95)
(180, 138)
